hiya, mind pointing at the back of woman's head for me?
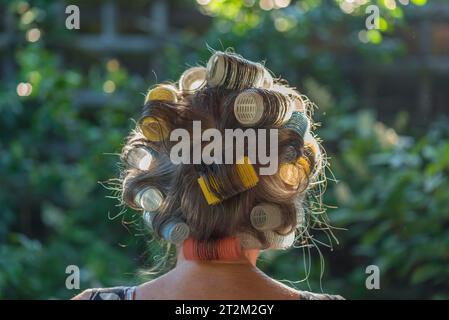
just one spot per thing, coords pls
(192, 180)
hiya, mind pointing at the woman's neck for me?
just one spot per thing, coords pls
(248, 257)
(236, 279)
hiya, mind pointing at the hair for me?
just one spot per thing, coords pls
(213, 105)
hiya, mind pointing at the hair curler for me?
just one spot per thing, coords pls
(140, 157)
(277, 241)
(193, 79)
(162, 92)
(249, 108)
(149, 199)
(234, 72)
(298, 123)
(247, 176)
(249, 241)
(153, 128)
(254, 107)
(266, 216)
(290, 174)
(175, 232)
(223, 249)
(148, 218)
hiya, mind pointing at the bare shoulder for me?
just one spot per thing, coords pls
(272, 289)
(155, 289)
(85, 295)
(291, 293)
(283, 291)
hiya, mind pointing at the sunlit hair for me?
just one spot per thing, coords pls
(182, 103)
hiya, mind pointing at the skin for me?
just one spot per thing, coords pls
(213, 280)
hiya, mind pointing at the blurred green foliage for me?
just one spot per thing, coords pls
(392, 181)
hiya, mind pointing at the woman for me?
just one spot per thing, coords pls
(199, 166)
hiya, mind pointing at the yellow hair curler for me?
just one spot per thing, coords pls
(290, 174)
(162, 92)
(304, 163)
(154, 129)
(210, 197)
(247, 175)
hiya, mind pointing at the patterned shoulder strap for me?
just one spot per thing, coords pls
(116, 293)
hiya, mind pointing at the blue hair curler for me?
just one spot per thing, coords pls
(298, 123)
(175, 232)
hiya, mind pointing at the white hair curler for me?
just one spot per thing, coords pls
(234, 72)
(254, 107)
(148, 218)
(140, 158)
(274, 241)
(277, 241)
(249, 108)
(193, 79)
(266, 216)
(149, 199)
(216, 70)
(267, 82)
(248, 241)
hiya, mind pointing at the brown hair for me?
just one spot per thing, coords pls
(183, 198)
